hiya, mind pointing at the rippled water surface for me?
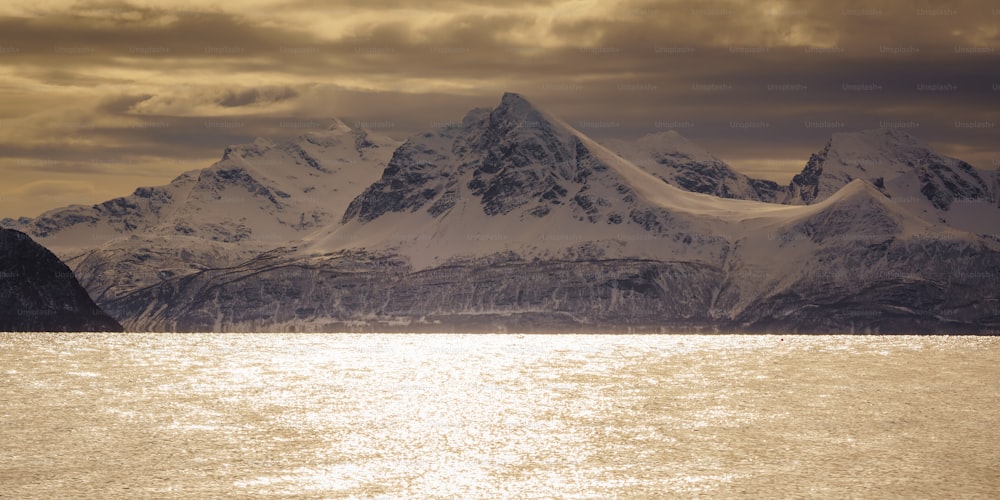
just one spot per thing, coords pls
(489, 416)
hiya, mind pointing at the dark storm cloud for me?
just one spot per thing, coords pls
(173, 83)
(246, 97)
(77, 41)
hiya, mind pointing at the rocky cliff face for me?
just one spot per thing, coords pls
(351, 292)
(39, 293)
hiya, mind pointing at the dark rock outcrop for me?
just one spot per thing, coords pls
(39, 293)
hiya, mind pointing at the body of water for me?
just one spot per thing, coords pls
(495, 416)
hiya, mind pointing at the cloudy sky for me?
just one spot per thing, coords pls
(99, 97)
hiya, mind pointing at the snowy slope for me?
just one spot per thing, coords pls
(909, 172)
(680, 162)
(258, 192)
(257, 197)
(518, 179)
(534, 190)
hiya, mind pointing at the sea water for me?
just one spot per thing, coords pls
(498, 416)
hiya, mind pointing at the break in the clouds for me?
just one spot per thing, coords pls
(112, 95)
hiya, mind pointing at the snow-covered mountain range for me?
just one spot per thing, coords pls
(257, 197)
(514, 220)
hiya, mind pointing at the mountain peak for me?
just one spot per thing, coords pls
(682, 163)
(510, 97)
(889, 132)
(669, 138)
(669, 133)
(856, 188)
(338, 125)
(665, 148)
(900, 165)
(515, 108)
